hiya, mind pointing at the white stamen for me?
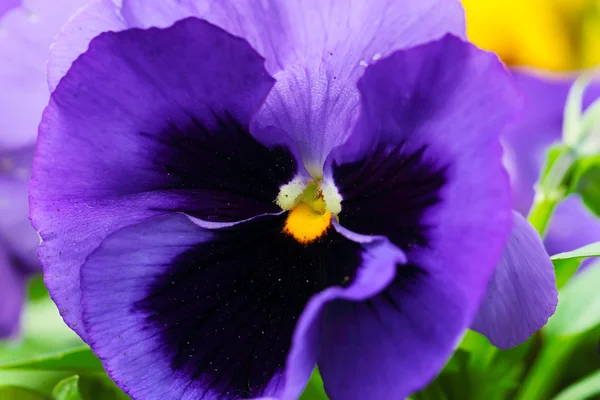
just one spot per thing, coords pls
(290, 192)
(332, 197)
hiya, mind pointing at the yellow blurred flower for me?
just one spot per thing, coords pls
(552, 34)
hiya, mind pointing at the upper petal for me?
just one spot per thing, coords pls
(26, 32)
(522, 294)
(176, 311)
(423, 168)
(148, 122)
(316, 49)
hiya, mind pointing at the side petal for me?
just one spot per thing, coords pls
(423, 168)
(318, 49)
(26, 32)
(148, 122)
(522, 294)
(176, 311)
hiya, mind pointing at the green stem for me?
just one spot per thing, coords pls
(541, 213)
(543, 376)
(550, 191)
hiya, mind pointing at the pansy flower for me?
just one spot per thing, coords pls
(526, 143)
(562, 36)
(230, 193)
(27, 29)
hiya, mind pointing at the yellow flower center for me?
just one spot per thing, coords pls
(311, 206)
(306, 224)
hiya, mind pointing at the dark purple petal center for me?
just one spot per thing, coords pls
(388, 191)
(223, 172)
(226, 309)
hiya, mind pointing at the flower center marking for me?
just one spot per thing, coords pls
(311, 206)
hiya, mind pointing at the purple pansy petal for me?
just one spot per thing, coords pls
(12, 293)
(525, 144)
(317, 50)
(336, 41)
(423, 168)
(74, 38)
(16, 232)
(398, 341)
(26, 33)
(538, 127)
(572, 226)
(176, 311)
(7, 5)
(148, 122)
(522, 294)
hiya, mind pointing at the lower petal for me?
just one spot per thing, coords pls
(399, 341)
(176, 311)
(522, 294)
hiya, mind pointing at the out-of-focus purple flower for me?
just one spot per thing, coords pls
(215, 223)
(27, 29)
(526, 143)
(18, 241)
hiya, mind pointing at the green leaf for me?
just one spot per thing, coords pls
(43, 332)
(99, 387)
(565, 269)
(587, 388)
(39, 381)
(477, 370)
(36, 289)
(586, 182)
(18, 393)
(578, 304)
(81, 359)
(67, 389)
(314, 389)
(591, 250)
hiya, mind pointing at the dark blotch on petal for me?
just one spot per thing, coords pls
(230, 174)
(227, 309)
(387, 192)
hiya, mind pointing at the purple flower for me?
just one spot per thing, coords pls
(26, 31)
(525, 145)
(18, 241)
(215, 223)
